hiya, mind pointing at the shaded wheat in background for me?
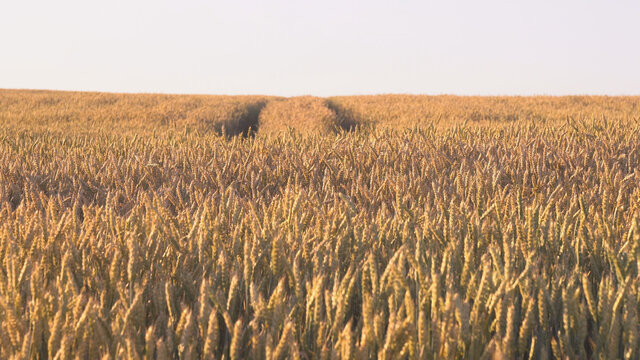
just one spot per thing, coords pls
(406, 111)
(74, 112)
(157, 241)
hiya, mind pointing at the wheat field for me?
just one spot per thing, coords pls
(391, 227)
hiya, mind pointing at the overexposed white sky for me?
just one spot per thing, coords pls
(330, 47)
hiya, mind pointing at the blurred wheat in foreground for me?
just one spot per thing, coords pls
(162, 239)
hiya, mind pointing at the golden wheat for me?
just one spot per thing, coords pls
(516, 241)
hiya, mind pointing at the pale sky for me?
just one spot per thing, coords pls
(324, 47)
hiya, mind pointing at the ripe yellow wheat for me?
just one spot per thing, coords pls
(518, 241)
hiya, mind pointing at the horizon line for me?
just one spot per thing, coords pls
(434, 94)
